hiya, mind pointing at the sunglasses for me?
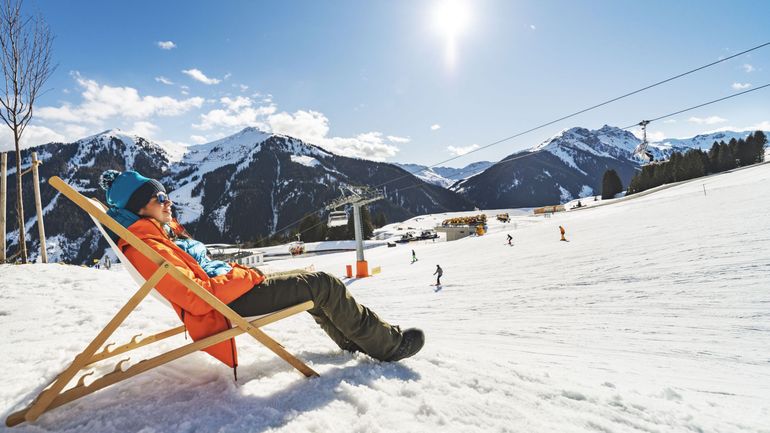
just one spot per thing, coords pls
(162, 197)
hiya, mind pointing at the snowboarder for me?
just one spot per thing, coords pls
(510, 239)
(438, 272)
(561, 229)
(142, 206)
(414, 256)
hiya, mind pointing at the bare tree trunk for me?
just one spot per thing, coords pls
(3, 191)
(20, 206)
(25, 62)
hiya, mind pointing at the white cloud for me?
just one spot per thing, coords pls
(706, 120)
(33, 135)
(76, 132)
(462, 150)
(312, 126)
(435, 127)
(237, 113)
(243, 87)
(740, 86)
(237, 103)
(164, 80)
(307, 125)
(669, 121)
(102, 102)
(197, 75)
(748, 68)
(652, 136)
(228, 75)
(763, 126)
(166, 45)
(144, 129)
(655, 136)
(396, 139)
(532, 26)
(198, 139)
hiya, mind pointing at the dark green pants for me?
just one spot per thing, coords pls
(343, 319)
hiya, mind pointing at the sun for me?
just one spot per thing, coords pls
(450, 19)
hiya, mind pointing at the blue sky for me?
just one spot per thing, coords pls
(375, 79)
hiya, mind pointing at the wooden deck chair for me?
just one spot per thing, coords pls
(55, 395)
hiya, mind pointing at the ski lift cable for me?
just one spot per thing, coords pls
(700, 105)
(564, 118)
(652, 120)
(513, 158)
(584, 110)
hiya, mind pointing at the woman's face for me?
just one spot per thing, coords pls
(157, 210)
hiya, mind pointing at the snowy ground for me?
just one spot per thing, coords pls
(653, 318)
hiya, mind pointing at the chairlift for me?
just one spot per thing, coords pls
(641, 150)
(338, 218)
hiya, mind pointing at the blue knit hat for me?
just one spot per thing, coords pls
(129, 190)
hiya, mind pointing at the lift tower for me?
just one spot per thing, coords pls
(359, 196)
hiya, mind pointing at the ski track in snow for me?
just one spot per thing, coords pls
(653, 318)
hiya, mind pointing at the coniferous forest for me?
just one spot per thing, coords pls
(696, 163)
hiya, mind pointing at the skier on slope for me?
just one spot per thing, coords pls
(438, 272)
(142, 206)
(510, 239)
(414, 256)
(561, 229)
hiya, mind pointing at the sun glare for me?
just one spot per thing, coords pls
(450, 19)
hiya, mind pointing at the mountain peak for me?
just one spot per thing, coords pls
(252, 130)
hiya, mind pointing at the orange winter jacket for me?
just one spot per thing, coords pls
(200, 319)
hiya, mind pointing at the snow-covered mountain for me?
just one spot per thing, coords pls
(664, 148)
(236, 189)
(446, 176)
(570, 165)
(566, 166)
(252, 183)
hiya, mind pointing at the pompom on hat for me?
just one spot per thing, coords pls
(129, 190)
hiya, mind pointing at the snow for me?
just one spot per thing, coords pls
(445, 176)
(586, 191)
(654, 317)
(305, 160)
(565, 155)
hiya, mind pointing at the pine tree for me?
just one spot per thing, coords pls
(704, 156)
(312, 229)
(366, 224)
(380, 220)
(733, 145)
(757, 148)
(726, 160)
(677, 168)
(611, 184)
(714, 158)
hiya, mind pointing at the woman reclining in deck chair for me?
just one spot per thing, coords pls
(142, 206)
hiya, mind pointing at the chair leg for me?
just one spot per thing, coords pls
(81, 389)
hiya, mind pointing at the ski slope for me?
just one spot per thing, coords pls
(655, 317)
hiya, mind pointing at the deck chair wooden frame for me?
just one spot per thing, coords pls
(54, 394)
